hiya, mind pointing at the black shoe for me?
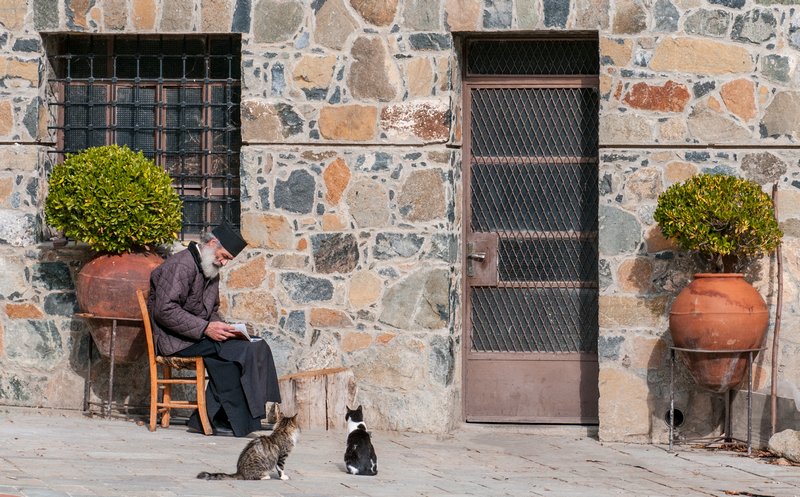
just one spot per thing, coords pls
(222, 431)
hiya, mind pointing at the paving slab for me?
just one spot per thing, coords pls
(52, 453)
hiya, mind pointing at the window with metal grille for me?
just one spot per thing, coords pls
(175, 98)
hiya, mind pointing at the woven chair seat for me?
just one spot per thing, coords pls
(176, 362)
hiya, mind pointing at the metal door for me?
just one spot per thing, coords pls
(530, 249)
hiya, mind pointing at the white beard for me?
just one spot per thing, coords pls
(210, 270)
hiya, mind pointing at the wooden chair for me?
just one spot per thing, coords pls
(166, 381)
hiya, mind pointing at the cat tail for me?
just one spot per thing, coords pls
(219, 476)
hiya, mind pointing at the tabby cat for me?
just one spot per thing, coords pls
(263, 454)
(359, 456)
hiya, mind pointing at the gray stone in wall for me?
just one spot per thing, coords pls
(763, 167)
(295, 323)
(52, 276)
(556, 13)
(443, 247)
(497, 14)
(420, 15)
(608, 347)
(31, 119)
(263, 195)
(392, 245)
(441, 359)
(25, 391)
(666, 17)
(756, 26)
(278, 79)
(296, 194)
(708, 23)
(430, 41)
(619, 231)
(60, 304)
(527, 15)
(240, 23)
(733, 4)
(17, 228)
(782, 116)
(400, 300)
(776, 68)
(45, 14)
(604, 271)
(27, 45)
(290, 120)
(275, 21)
(34, 343)
(334, 252)
(304, 289)
(703, 87)
(434, 306)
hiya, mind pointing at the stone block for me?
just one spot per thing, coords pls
(422, 196)
(348, 122)
(377, 12)
(633, 312)
(336, 177)
(365, 289)
(368, 203)
(707, 57)
(334, 24)
(329, 318)
(267, 230)
(623, 410)
(250, 273)
(255, 306)
(463, 15)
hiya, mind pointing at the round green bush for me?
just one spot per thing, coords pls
(724, 218)
(113, 199)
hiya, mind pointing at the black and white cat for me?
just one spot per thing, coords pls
(359, 456)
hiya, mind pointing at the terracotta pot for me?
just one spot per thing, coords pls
(718, 312)
(106, 287)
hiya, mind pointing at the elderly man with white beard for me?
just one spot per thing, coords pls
(183, 304)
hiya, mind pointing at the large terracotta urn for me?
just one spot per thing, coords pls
(720, 312)
(106, 288)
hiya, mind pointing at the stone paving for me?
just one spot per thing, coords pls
(46, 453)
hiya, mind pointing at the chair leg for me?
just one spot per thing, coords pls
(201, 396)
(153, 396)
(166, 397)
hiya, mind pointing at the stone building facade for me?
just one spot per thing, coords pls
(352, 187)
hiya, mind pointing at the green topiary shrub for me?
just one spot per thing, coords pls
(724, 218)
(113, 199)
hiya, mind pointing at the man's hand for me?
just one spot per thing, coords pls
(218, 331)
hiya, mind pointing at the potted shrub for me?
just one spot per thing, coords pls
(727, 221)
(121, 204)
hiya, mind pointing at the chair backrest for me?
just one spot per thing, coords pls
(148, 328)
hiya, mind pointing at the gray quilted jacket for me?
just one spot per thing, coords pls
(182, 301)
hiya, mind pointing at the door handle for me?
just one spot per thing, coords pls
(477, 256)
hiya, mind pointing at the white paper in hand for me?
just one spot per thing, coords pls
(240, 331)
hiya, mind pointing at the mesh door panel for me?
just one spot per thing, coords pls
(534, 320)
(534, 122)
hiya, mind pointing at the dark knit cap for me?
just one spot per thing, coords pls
(229, 238)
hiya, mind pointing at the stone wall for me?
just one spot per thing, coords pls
(351, 173)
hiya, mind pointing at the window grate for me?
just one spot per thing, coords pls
(174, 98)
(532, 57)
